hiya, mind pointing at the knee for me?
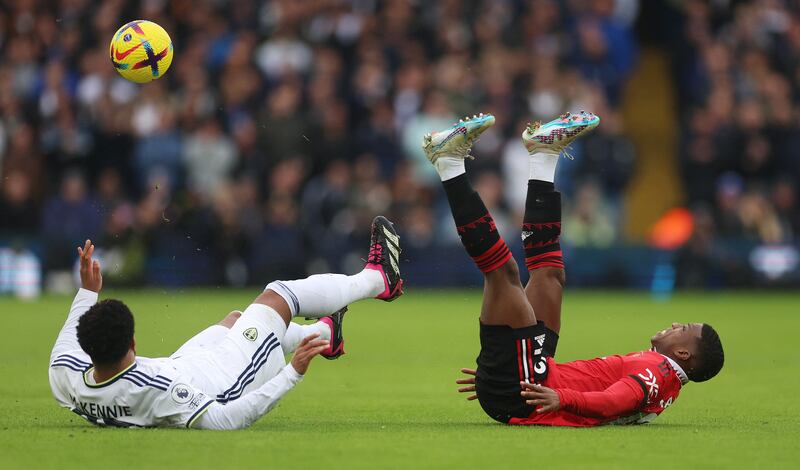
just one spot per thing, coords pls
(277, 302)
(230, 319)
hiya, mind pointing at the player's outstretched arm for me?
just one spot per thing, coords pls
(246, 410)
(91, 283)
(621, 398)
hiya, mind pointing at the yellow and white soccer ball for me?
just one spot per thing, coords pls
(141, 51)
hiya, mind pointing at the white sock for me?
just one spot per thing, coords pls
(543, 166)
(449, 167)
(320, 295)
(296, 332)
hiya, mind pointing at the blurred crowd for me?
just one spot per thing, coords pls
(283, 127)
(737, 68)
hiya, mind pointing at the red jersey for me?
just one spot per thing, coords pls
(630, 389)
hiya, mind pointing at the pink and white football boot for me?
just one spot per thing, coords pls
(336, 348)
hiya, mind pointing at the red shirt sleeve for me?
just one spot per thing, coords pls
(621, 398)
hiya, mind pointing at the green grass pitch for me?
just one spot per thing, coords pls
(391, 401)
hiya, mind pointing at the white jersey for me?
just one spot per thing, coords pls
(163, 392)
(150, 392)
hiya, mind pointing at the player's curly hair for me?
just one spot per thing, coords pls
(709, 357)
(105, 331)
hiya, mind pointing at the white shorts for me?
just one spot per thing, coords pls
(247, 356)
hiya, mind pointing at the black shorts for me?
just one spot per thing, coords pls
(510, 356)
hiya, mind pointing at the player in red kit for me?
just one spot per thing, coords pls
(517, 381)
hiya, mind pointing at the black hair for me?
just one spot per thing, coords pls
(105, 331)
(709, 357)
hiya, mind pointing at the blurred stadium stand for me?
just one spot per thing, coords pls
(283, 127)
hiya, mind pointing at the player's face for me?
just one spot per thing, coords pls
(677, 334)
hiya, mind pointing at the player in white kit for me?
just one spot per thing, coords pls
(228, 375)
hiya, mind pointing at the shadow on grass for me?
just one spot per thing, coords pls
(284, 426)
(302, 425)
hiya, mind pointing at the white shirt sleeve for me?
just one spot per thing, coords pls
(179, 405)
(68, 337)
(243, 412)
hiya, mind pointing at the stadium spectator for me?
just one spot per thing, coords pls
(284, 119)
(590, 223)
(209, 158)
(19, 214)
(67, 218)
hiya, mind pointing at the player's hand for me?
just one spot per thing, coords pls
(308, 349)
(91, 279)
(468, 381)
(537, 395)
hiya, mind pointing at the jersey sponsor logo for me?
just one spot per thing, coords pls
(539, 339)
(251, 334)
(181, 393)
(651, 382)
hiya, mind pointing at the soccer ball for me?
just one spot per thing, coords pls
(141, 51)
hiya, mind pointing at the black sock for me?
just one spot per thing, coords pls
(539, 186)
(541, 227)
(475, 225)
